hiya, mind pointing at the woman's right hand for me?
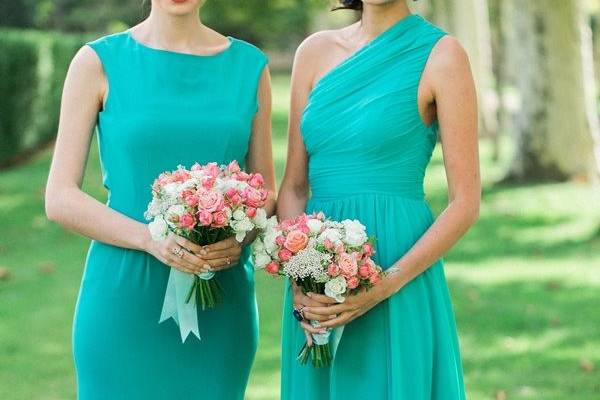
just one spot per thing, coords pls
(179, 253)
(302, 300)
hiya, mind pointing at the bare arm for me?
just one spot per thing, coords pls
(294, 188)
(83, 93)
(260, 151)
(259, 159)
(448, 81)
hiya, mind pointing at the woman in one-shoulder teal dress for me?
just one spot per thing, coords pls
(165, 108)
(367, 149)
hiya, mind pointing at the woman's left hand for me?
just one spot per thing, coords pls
(222, 255)
(353, 307)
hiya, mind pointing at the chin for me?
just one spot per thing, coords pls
(178, 7)
(380, 2)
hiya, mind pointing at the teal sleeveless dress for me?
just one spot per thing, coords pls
(163, 109)
(368, 150)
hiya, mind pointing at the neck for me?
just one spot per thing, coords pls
(174, 30)
(376, 18)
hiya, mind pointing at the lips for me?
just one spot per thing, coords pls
(178, 1)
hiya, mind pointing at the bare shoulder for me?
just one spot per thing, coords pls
(449, 56)
(86, 62)
(316, 44)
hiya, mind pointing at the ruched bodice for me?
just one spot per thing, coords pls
(164, 109)
(368, 150)
(370, 102)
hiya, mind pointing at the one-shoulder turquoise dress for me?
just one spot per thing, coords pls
(164, 109)
(368, 150)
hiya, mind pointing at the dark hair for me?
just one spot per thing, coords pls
(350, 5)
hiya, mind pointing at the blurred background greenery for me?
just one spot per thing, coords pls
(525, 279)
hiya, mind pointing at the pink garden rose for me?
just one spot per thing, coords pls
(296, 241)
(254, 197)
(367, 249)
(374, 279)
(210, 201)
(204, 217)
(272, 268)
(256, 181)
(352, 282)
(333, 270)
(280, 240)
(186, 221)
(233, 167)
(364, 271)
(284, 254)
(251, 212)
(348, 265)
(212, 169)
(208, 182)
(220, 219)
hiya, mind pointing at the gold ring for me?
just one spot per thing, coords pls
(178, 251)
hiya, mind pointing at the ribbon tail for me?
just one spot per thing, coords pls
(184, 314)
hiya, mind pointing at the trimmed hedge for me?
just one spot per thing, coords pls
(33, 66)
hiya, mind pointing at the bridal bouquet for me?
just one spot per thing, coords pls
(321, 256)
(205, 204)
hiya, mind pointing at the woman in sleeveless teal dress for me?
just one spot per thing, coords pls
(360, 142)
(161, 108)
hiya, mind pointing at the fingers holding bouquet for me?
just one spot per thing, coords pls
(222, 255)
(329, 263)
(178, 252)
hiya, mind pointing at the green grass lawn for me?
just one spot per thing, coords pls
(525, 282)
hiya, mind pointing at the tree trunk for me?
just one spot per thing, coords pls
(556, 125)
(468, 20)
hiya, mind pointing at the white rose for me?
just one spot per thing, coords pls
(260, 219)
(355, 233)
(314, 225)
(269, 240)
(158, 228)
(239, 215)
(171, 189)
(333, 235)
(335, 288)
(241, 228)
(261, 260)
(177, 209)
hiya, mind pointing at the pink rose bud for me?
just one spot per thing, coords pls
(352, 282)
(256, 181)
(304, 228)
(280, 240)
(242, 176)
(204, 217)
(219, 219)
(368, 249)
(233, 167)
(272, 268)
(364, 271)
(328, 244)
(187, 221)
(208, 182)
(375, 278)
(251, 212)
(284, 254)
(333, 270)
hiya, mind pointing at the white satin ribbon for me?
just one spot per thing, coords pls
(174, 306)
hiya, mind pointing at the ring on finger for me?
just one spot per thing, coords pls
(178, 251)
(298, 313)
